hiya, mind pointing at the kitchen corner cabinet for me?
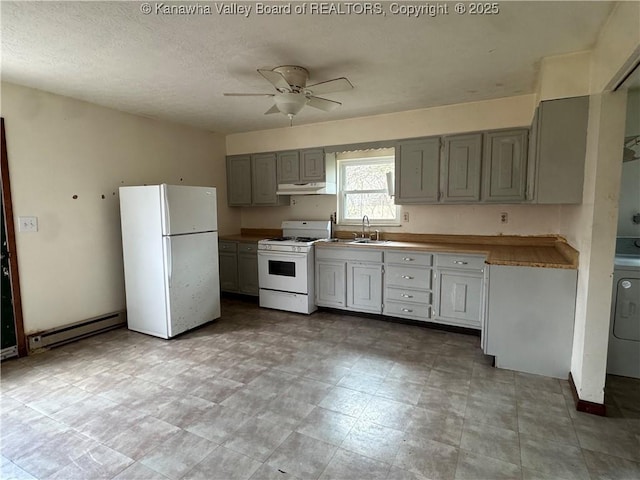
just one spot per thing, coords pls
(417, 171)
(505, 166)
(302, 166)
(460, 290)
(559, 143)
(530, 318)
(252, 181)
(238, 267)
(461, 168)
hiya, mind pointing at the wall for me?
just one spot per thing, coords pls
(630, 180)
(453, 219)
(71, 269)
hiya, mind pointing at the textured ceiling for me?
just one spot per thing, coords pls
(178, 66)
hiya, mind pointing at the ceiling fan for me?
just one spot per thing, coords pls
(292, 92)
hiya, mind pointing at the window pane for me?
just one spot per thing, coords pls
(375, 205)
(366, 177)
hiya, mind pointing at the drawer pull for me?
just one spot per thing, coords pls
(249, 248)
(407, 277)
(408, 310)
(404, 295)
(407, 259)
(460, 262)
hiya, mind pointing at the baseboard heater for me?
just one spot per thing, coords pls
(75, 331)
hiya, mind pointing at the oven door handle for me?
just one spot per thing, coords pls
(264, 253)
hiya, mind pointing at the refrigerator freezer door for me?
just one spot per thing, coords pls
(188, 209)
(192, 280)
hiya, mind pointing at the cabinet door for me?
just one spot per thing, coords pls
(330, 284)
(228, 271)
(418, 171)
(248, 273)
(364, 287)
(460, 298)
(263, 180)
(288, 167)
(461, 168)
(239, 180)
(505, 166)
(560, 150)
(312, 166)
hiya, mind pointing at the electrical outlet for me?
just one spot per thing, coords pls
(504, 217)
(405, 217)
(28, 224)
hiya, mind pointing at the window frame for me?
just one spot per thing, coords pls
(341, 193)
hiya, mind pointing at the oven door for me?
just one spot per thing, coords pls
(284, 271)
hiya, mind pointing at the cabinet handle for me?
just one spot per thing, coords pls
(408, 310)
(249, 248)
(460, 262)
(408, 259)
(407, 277)
(404, 295)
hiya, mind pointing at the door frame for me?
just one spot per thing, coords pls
(11, 245)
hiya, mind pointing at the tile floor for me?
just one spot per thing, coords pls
(263, 394)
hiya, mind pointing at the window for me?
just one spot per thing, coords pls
(364, 179)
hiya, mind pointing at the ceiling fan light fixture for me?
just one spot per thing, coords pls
(290, 103)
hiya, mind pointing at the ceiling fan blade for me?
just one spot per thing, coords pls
(336, 85)
(276, 79)
(323, 103)
(273, 109)
(249, 94)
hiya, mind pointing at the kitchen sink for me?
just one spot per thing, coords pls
(369, 241)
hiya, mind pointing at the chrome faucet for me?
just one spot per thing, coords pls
(368, 226)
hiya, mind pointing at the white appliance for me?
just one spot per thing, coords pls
(286, 266)
(624, 330)
(312, 188)
(170, 249)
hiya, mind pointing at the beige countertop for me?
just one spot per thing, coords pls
(537, 251)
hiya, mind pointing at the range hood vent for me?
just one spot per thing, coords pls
(312, 188)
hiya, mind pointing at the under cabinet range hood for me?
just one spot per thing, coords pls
(311, 188)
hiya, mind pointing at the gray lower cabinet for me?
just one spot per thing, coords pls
(461, 168)
(557, 153)
(530, 319)
(238, 267)
(417, 171)
(460, 290)
(228, 260)
(407, 284)
(364, 287)
(248, 268)
(331, 285)
(505, 166)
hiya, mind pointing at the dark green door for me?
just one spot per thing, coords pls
(8, 331)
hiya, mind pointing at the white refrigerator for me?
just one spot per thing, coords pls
(170, 250)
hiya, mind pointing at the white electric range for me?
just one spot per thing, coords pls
(286, 266)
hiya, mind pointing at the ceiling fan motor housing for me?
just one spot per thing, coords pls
(295, 76)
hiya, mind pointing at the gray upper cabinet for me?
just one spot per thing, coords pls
(417, 171)
(263, 179)
(301, 166)
(560, 131)
(288, 167)
(239, 180)
(505, 166)
(461, 168)
(312, 167)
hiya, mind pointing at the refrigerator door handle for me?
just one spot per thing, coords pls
(169, 258)
(167, 212)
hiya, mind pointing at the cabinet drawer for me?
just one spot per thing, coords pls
(354, 254)
(226, 246)
(405, 295)
(407, 310)
(408, 258)
(466, 262)
(412, 277)
(247, 247)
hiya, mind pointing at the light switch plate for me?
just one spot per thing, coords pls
(28, 224)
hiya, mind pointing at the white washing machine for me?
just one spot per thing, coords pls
(624, 331)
